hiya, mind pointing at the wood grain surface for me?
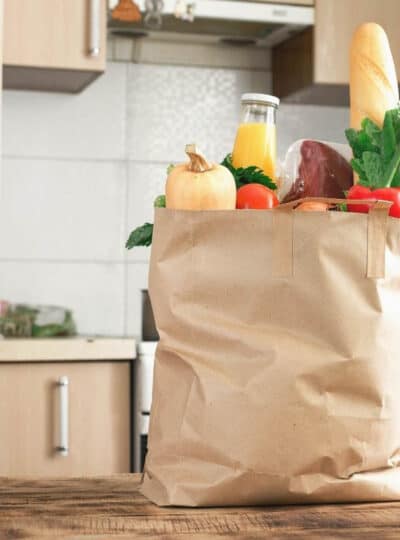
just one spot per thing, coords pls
(103, 508)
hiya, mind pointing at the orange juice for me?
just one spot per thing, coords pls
(255, 144)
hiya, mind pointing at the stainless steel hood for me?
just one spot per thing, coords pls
(233, 21)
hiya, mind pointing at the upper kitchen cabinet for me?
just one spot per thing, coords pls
(313, 67)
(53, 45)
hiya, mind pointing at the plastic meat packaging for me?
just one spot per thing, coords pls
(314, 168)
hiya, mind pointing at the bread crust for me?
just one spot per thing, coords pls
(373, 80)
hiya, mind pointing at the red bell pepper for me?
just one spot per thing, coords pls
(384, 194)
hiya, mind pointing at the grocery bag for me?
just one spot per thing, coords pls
(277, 374)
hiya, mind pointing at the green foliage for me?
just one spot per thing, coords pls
(248, 175)
(376, 151)
(141, 236)
(159, 202)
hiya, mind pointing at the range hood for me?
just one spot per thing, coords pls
(261, 23)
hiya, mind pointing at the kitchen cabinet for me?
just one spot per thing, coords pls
(313, 67)
(54, 45)
(51, 429)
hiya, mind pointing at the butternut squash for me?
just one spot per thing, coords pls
(200, 185)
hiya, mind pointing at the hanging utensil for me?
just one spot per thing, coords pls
(184, 10)
(126, 11)
(153, 17)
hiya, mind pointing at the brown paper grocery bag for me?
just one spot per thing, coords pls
(277, 376)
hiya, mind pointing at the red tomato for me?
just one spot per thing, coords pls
(383, 194)
(256, 196)
(359, 192)
(389, 194)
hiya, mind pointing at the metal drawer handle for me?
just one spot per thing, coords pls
(63, 386)
(94, 28)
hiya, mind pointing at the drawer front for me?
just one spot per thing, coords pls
(95, 419)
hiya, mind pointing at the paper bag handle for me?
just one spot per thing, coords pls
(376, 236)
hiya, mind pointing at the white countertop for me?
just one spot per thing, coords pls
(67, 349)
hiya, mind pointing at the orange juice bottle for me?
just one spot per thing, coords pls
(255, 142)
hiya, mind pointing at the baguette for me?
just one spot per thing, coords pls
(373, 80)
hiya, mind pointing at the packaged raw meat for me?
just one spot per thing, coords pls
(315, 169)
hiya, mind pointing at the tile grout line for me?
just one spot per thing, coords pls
(14, 157)
(126, 206)
(12, 260)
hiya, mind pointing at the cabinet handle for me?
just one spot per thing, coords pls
(94, 27)
(63, 387)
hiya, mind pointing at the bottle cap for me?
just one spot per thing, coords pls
(264, 99)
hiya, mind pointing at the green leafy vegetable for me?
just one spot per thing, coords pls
(159, 202)
(247, 175)
(360, 142)
(388, 140)
(141, 236)
(372, 131)
(358, 168)
(373, 168)
(392, 170)
(376, 151)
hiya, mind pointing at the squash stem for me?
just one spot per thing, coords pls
(198, 162)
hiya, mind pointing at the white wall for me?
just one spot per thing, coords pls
(79, 172)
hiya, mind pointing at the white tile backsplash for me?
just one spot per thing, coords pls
(62, 210)
(95, 292)
(86, 125)
(81, 171)
(123, 49)
(184, 105)
(145, 182)
(137, 279)
(310, 122)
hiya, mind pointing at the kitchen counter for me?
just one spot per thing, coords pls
(102, 508)
(67, 349)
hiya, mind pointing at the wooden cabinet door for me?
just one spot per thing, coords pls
(98, 418)
(335, 23)
(53, 34)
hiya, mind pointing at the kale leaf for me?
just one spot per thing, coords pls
(376, 151)
(141, 236)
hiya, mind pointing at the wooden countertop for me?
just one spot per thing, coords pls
(104, 508)
(67, 349)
